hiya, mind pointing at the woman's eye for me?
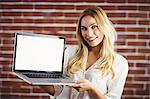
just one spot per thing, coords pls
(94, 27)
(83, 29)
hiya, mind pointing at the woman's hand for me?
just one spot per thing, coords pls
(86, 85)
(82, 85)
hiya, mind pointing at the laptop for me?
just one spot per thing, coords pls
(38, 59)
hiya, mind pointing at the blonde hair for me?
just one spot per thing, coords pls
(107, 53)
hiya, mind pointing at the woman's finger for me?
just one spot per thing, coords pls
(72, 85)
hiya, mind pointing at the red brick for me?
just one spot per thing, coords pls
(16, 6)
(108, 7)
(126, 21)
(22, 20)
(8, 96)
(71, 14)
(144, 50)
(138, 1)
(68, 7)
(144, 65)
(11, 83)
(126, 36)
(131, 64)
(65, 35)
(144, 8)
(6, 41)
(136, 29)
(35, 28)
(32, 96)
(97, 1)
(5, 89)
(128, 92)
(129, 79)
(43, 21)
(65, 21)
(144, 78)
(50, 28)
(121, 42)
(17, 89)
(7, 68)
(127, 7)
(137, 72)
(4, 75)
(134, 85)
(120, 29)
(137, 15)
(82, 7)
(143, 36)
(138, 43)
(116, 14)
(11, 27)
(126, 50)
(6, 48)
(136, 57)
(6, 20)
(69, 28)
(21, 96)
(2, 55)
(11, 13)
(7, 35)
(144, 22)
(142, 92)
(11, 0)
(32, 14)
(71, 42)
(116, 1)
(132, 97)
(5, 62)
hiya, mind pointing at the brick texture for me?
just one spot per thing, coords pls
(131, 18)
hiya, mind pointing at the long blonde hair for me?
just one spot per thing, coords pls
(107, 53)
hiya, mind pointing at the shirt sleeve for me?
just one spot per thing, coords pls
(58, 89)
(116, 86)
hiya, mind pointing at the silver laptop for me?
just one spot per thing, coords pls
(38, 59)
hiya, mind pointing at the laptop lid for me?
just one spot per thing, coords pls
(38, 53)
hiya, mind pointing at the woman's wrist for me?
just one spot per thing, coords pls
(94, 93)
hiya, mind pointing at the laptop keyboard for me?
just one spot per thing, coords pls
(42, 75)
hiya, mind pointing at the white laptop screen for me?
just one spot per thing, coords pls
(39, 53)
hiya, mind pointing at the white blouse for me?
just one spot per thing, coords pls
(112, 89)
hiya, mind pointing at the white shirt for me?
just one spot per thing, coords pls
(112, 89)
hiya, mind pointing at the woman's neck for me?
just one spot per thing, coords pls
(95, 50)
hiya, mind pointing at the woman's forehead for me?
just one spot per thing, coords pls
(87, 21)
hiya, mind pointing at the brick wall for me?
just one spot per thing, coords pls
(131, 19)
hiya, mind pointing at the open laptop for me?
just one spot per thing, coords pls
(38, 59)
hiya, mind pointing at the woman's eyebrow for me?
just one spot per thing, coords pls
(92, 24)
(89, 25)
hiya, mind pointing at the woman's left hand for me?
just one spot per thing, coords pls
(82, 85)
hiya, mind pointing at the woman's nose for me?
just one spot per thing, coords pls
(89, 33)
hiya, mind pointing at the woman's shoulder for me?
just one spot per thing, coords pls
(121, 61)
(120, 58)
(71, 50)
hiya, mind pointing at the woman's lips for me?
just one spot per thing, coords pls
(92, 39)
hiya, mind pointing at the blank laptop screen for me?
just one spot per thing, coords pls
(39, 53)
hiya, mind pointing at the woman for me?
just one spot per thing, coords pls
(99, 71)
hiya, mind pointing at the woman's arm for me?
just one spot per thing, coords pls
(49, 89)
(86, 85)
(95, 94)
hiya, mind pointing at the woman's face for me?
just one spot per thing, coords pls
(90, 31)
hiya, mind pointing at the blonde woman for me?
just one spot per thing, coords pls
(99, 71)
